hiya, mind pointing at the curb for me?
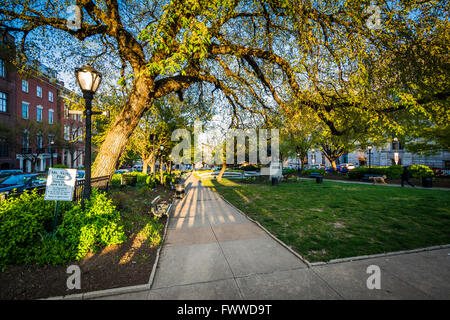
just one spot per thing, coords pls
(380, 255)
(121, 290)
(334, 261)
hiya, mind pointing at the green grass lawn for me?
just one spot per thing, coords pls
(336, 220)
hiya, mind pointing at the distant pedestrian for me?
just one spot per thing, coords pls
(405, 176)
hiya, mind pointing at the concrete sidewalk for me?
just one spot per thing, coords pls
(212, 251)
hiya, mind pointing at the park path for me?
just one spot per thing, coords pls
(212, 251)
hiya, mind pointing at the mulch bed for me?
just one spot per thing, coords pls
(99, 271)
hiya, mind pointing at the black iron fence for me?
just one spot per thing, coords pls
(101, 183)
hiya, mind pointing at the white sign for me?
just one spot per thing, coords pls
(60, 184)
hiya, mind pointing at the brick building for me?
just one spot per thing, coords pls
(35, 129)
(7, 102)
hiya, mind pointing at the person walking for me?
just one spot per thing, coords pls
(405, 176)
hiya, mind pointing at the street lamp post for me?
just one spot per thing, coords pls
(152, 137)
(396, 151)
(50, 151)
(161, 165)
(370, 153)
(89, 80)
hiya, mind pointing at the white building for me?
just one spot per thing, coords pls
(382, 157)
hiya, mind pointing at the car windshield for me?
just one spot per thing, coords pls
(40, 179)
(16, 180)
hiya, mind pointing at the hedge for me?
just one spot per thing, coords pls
(309, 171)
(392, 172)
(26, 224)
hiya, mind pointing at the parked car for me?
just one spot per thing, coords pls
(121, 171)
(10, 172)
(22, 182)
(4, 174)
(345, 167)
(349, 166)
(316, 166)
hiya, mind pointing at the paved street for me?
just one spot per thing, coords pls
(212, 251)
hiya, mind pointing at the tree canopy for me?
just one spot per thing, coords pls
(252, 56)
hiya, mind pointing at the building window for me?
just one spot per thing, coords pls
(24, 85)
(66, 112)
(74, 133)
(39, 114)
(3, 102)
(446, 165)
(50, 96)
(25, 110)
(25, 142)
(39, 91)
(2, 68)
(3, 147)
(66, 132)
(80, 134)
(39, 143)
(50, 116)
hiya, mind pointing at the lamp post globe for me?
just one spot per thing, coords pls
(89, 81)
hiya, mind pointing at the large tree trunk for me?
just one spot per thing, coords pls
(333, 164)
(153, 163)
(117, 138)
(145, 165)
(222, 171)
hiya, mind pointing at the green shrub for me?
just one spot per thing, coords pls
(98, 225)
(418, 171)
(26, 224)
(115, 180)
(22, 219)
(309, 171)
(289, 171)
(392, 172)
(150, 181)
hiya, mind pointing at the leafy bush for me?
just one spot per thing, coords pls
(115, 180)
(26, 229)
(97, 225)
(392, 172)
(141, 177)
(418, 171)
(24, 222)
(150, 181)
(289, 171)
(309, 171)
